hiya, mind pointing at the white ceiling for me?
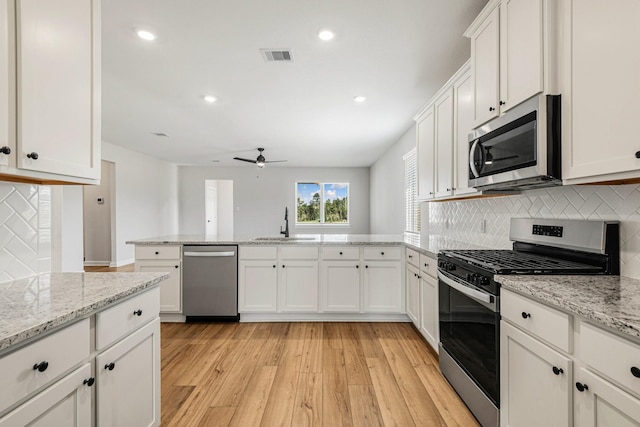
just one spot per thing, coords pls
(397, 53)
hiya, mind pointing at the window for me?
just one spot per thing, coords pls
(322, 203)
(412, 206)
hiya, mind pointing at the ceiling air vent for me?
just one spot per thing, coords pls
(277, 55)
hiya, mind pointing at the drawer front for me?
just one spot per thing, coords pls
(428, 265)
(258, 252)
(299, 252)
(340, 252)
(158, 252)
(412, 257)
(55, 354)
(544, 322)
(383, 253)
(118, 321)
(611, 355)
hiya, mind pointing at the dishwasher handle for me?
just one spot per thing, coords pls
(210, 254)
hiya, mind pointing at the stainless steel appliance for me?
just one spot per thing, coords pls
(210, 283)
(469, 297)
(520, 149)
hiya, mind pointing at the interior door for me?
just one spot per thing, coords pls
(211, 208)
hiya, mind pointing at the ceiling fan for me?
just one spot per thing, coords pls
(260, 161)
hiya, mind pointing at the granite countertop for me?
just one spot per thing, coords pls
(31, 306)
(612, 301)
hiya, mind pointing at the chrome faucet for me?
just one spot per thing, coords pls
(286, 219)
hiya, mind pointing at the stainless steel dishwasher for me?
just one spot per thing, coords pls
(210, 283)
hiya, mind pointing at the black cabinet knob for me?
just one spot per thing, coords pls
(415, 275)
(274, 266)
(635, 372)
(381, 253)
(581, 387)
(492, 109)
(525, 315)
(557, 371)
(340, 253)
(282, 265)
(110, 366)
(448, 189)
(366, 266)
(637, 154)
(5, 150)
(419, 276)
(33, 155)
(426, 265)
(157, 253)
(176, 266)
(137, 312)
(357, 266)
(89, 382)
(410, 256)
(502, 102)
(41, 367)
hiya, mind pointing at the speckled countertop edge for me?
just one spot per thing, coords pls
(11, 334)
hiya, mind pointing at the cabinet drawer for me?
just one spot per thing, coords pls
(299, 252)
(383, 252)
(114, 323)
(412, 257)
(544, 322)
(59, 352)
(258, 252)
(611, 355)
(429, 265)
(158, 252)
(340, 252)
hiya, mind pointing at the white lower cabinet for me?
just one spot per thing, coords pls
(130, 368)
(170, 289)
(429, 322)
(340, 286)
(258, 286)
(383, 290)
(298, 286)
(413, 294)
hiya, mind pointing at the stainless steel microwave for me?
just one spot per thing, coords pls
(520, 149)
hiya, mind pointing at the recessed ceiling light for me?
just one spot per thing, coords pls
(210, 99)
(359, 98)
(326, 35)
(146, 35)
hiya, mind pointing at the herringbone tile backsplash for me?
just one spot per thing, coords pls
(485, 222)
(25, 230)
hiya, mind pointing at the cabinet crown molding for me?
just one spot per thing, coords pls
(484, 13)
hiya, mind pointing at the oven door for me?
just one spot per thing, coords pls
(470, 331)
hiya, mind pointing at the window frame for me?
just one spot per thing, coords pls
(322, 223)
(411, 200)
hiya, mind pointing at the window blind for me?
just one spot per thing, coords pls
(412, 206)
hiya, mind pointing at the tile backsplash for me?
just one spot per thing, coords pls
(485, 222)
(25, 230)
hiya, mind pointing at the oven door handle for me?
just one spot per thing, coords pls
(472, 153)
(481, 297)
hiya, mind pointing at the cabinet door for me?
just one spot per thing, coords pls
(485, 45)
(128, 392)
(463, 124)
(58, 92)
(444, 144)
(413, 294)
(602, 405)
(603, 87)
(67, 403)
(425, 134)
(340, 286)
(383, 288)
(170, 289)
(257, 286)
(521, 51)
(298, 290)
(7, 81)
(429, 322)
(535, 382)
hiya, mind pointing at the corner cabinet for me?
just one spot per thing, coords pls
(50, 120)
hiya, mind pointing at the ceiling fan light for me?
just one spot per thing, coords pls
(260, 164)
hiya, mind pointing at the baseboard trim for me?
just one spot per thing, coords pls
(123, 262)
(98, 264)
(323, 317)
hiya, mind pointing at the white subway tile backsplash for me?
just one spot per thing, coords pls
(462, 220)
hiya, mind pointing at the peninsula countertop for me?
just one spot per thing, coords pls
(37, 304)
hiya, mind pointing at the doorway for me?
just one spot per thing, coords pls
(218, 196)
(98, 212)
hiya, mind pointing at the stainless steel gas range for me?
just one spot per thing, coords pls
(469, 296)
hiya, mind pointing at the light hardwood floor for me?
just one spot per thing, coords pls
(303, 374)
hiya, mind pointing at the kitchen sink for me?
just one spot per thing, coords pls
(283, 239)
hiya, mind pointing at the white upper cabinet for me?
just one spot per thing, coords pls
(425, 134)
(462, 125)
(7, 52)
(600, 91)
(444, 144)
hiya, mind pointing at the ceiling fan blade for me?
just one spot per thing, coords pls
(275, 161)
(244, 160)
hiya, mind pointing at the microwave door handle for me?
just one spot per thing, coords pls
(472, 152)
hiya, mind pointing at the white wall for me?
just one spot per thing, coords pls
(97, 218)
(66, 228)
(387, 184)
(259, 203)
(145, 198)
(225, 208)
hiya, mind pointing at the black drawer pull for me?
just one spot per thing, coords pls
(637, 154)
(635, 372)
(33, 155)
(366, 266)
(274, 266)
(5, 150)
(557, 371)
(525, 315)
(41, 367)
(410, 256)
(176, 266)
(582, 387)
(137, 312)
(340, 253)
(282, 265)
(381, 253)
(110, 366)
(89, 382)
(157, 253)
(357, 266)
(492, 109)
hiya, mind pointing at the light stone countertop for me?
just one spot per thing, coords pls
(612, 301)
(31, 306)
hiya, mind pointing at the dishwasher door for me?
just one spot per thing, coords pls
(210, 283)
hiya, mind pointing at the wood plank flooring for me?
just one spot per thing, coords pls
(304, 374)
(105, 269)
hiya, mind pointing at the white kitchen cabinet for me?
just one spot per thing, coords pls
(600, 91)
(383, 290)
(413, 294)
(463, 123)
(340, 286)
(130, 368)
(425, 144)
(298, 286)
(429, 321)
(7, 82)
(443, 166)
(163, 259)
(601, 404)
(258, 286)
(535, 381)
